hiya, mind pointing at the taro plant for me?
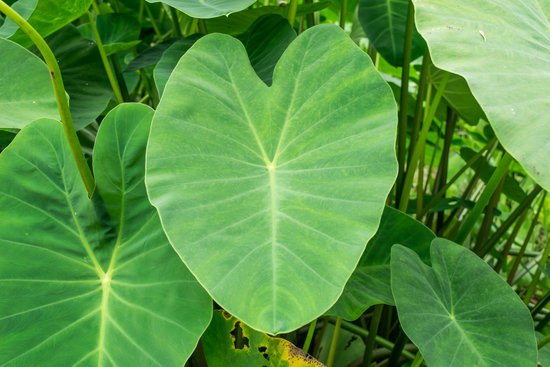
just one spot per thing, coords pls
(263, 183)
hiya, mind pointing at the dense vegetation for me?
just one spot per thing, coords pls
(261, 183)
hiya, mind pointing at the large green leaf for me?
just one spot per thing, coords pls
(207, 8)
(222, 347)
(270, 194)
(83, 75)
(26, 91)
(82, 289)
(384, 23)
(46, 16)
(501, 49)
(370, 283)
(265, 41)
(460, 312)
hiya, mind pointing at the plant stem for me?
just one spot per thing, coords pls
(475, 213)
(397, 349)
(292, 12)
(309, 336)
(60, 94)
(511, 219)
(540, 304)
(106, 64)
(418, 359)
(509, 242)
(418, 114)
(403, 103)
(373, 330)
(487, 222)
(310, 17)
(545, 340)
(411, 169)
(515, 266)
(334, 342)
(365, 334)
(175, 23)
(343, 12)
(153, 22)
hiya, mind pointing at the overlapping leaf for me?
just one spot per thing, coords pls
(269, 194)
(79, 288)
(26, 91)
(207, 8)
(459, 312)
(501, 49)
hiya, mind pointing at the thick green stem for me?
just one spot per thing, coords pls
(292, 12)
(509, 242)
(106, 64)
(371, 339)
(407, 185)
(309, 336)
(419, 109)
(343, 12)
(175, 23)
(545, 340)
(418, 359)
(60, 94)
(334, 342)
(403, 103)
(398, 349)
(487, 222)
(310, 17)
(473, 216)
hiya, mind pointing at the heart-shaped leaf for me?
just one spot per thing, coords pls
(501, 49)
(26, 91)
(370, 283)
(384, 23)
(207, 8)
(80, 288)
(270, 194)
(46, 16)
(460, 312)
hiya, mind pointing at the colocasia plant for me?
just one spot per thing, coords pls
(261, 183)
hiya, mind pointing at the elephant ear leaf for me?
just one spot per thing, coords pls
(107, 288)
(285, 184)
(501, 49)
(207, 8)
(459, 312)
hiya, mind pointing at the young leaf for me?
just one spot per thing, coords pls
(229, 342)
(501, 49)
(270, 194)
(207, 8)
(106, 290)
(370, 283)
(384, 23)
(26, 92)
(459, 312)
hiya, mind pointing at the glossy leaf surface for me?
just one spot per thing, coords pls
(26, 91)
(459, 312)
(499, 47)
(370, 283)
(279, 187)
(207, 8)
(109, 290)
(253, 348)
(384, 23)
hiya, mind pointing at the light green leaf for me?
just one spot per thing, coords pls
(222, 349)
(26, 91)
(370, 283)
(270, 194)
(384, 23)
(46, 16)
(109, 289)
(207, 8)
(501, 49)
(460, 312)
(83, 75)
